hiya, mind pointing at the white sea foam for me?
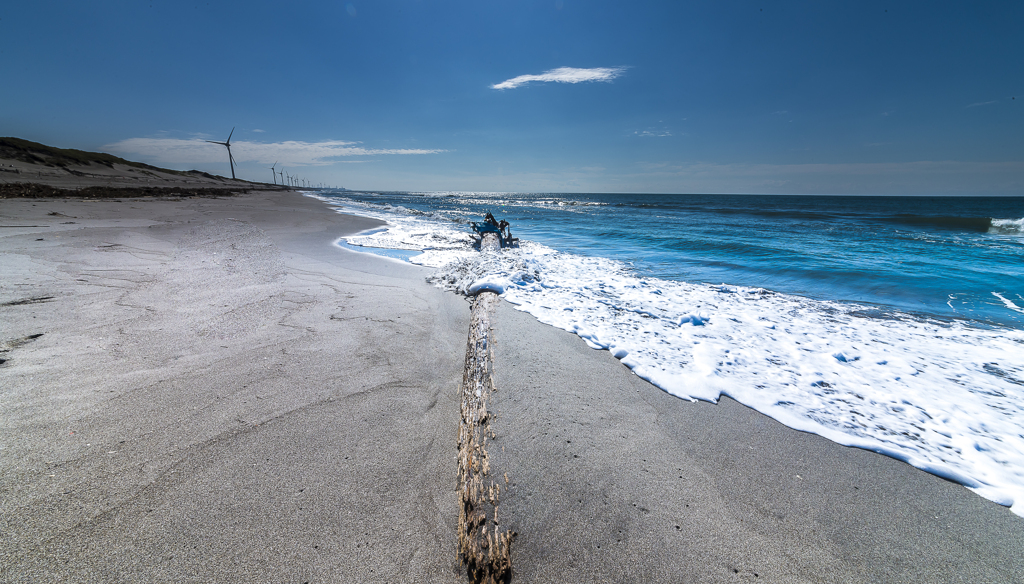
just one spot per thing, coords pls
(1009, 303)
(1007, 226)
(947, 398)
(439, 239)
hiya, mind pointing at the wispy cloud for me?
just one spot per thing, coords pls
(171, 151)
(652, 133)
(981, 103)
(564, 75)
(257, 130)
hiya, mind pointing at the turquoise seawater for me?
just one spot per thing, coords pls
(944, 257)
(894, 324)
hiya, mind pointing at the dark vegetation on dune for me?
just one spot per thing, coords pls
(36, 153)
(38, 191)
(72, 161)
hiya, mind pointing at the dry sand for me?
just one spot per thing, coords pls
(222, 395)
(219, 394)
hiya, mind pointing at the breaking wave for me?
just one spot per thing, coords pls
(1007, 226)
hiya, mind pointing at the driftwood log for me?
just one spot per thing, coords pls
(484, 545)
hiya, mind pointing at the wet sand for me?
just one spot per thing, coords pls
(619, 481)
(220, 394)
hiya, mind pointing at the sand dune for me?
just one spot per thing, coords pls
(22, 161)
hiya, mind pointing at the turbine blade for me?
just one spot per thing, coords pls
(231, 134)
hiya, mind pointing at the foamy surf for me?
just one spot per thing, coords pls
(1007, 226)
(946, 396)
(1009, 303)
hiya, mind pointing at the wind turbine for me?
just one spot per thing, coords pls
(281, 172)
(274, 172)
(227, 144)
(289, 179)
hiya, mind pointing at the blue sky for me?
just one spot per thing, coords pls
(688, 97)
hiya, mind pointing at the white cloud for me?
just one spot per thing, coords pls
(259, 131)
(564, 75)
(981, 103)
(652, 133)
(170, 151)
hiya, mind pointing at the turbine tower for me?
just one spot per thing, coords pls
(227, 144)
(281, 172)
(274, 172)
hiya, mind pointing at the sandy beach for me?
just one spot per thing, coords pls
(208, 390)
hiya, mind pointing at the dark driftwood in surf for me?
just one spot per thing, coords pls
(484, 546)
(501, 228)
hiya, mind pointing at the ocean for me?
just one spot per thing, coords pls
(894, 324)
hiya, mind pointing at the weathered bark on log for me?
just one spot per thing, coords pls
(484, 546)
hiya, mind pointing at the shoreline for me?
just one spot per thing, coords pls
(880, 382)
(207, 365)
